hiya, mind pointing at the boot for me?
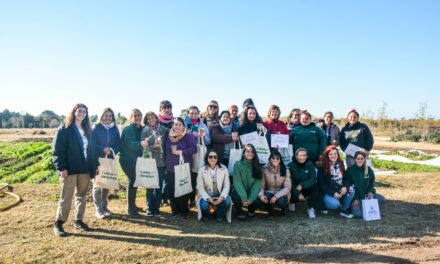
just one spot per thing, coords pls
(131, 202)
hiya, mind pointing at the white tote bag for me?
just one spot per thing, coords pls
(287, 154)
(147, 175)
(370, 209)
(182, 181)
(234, 156)
(199, 156)
(262, 148)
(107, 177)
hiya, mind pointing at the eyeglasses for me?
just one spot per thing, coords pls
(213, 106)
(212, 157)
(275, 158)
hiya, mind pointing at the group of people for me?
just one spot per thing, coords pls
(315, 173)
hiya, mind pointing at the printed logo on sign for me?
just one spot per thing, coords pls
(146, 174)
(262, 150)
(183, 182)
(372, 210)
(109, 175)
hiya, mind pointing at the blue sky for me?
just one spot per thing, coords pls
(316, 55)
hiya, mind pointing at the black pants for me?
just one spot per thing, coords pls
(192, 195)
(179, 204)
(129, 168)
(312, 193)
(238, 204)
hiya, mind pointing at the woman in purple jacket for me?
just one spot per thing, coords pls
(178, 142)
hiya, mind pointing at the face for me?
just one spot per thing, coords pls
(251, 114)
(225, 119)
(248, 153)
(80, 114)
(151, 120)
(274, 114)
(333, 155)
(275, 160)
(138, 118)
(328, 118)
(352, 118)
(167, 110)
(360, 160)
(305, 119)
(234, 111)
(212, 159)
(295, 118)
(193, 114)
(212, 109)
(178, 126)
(301, 157)
(107, 117)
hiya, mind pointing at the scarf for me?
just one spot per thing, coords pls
(109, 125)
(175, 136)
(192, 124)
(154, 130)
(165, 119)
(273, 169)
(226, 128)
(336, 174)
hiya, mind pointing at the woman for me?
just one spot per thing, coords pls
(223, 138)
(233, 109)
(178, 142)
(356, 133)
(246, 103)
(273, 122)
(303, 175)
(294, 119)
(213, 188)
(166, 114)
(250, 123)
(70, 146)
(309, 136)
(332, 131)
(362, 177)
(247, 182)
(275, 185)
(333, 184)
(131, 149)
(210, 116)
(105, 139)
(154, 133)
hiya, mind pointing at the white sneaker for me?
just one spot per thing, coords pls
(311, 213)
(100, 215)
(292, 207)
(324, 212)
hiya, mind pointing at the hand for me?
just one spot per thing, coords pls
(97, 172)
(337, 195)
(247, 203)
(301, 197)
(370, 195)
(343, 190)
(202, 133)
(64, 174)
(263, 199)
(355, 203)
(107, 151)
(144, 143)
(157, 145)
(234, 138)
(219, 200)
(299, 188)
(259, 126)
(211, 201)
(273, 200)
(177, 152)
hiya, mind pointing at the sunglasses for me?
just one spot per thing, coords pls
(212, 157)
(213, 106)
(275, 158)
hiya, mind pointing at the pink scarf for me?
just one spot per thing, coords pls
(165, 119)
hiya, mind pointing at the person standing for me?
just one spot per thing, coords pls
(166, 114)
(331, 130)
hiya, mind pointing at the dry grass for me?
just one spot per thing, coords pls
(410, 224)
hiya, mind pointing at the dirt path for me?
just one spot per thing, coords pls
(383, 143)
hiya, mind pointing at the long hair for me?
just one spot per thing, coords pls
(364, 166)
(147, 114)
(272, 108)
(244, 118)
(85, 124)
(257, 173)
(108, 109)
(276, 153)
(207, 155)
(326, 163)
(133, 112)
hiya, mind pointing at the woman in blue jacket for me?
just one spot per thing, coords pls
(105, 138)
(70, 146)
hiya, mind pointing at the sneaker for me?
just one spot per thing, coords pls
(251, 214)
(149, 214)
(241, 217)
(107, 212)
(324, 212)
(81, 225)
(204, 218)
(346, 213)
(185, 216)
(285, 212)
(100, 215)
(292, 207)
(220, 219)
(58, 229)
(311, 213)
(158, 215)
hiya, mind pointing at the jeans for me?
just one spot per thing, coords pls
(357, 210)
(154, 196)
(100, 198)
(333, 203)
(281, 202)
(238, 204)
(220, 212)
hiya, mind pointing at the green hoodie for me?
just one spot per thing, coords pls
(302, 174)
(131, 147)
(245, 185)
(310, 137)
(363, 184)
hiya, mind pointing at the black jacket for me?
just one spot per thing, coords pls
(327, 186)
(68, 153)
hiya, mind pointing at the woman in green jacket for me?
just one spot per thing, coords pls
(131, 149)
(247, 180)
(304, 185)
(362, 177)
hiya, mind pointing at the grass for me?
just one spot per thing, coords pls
(412, 155)
(402, 167)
